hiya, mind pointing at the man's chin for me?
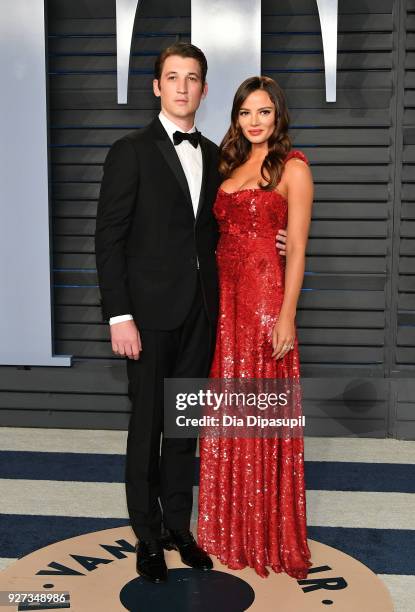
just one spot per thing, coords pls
(184, 111)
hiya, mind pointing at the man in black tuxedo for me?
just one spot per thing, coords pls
(155, 245)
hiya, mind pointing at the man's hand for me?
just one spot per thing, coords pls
(281, 240)
(125, 339)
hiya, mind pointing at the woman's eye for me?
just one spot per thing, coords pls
(265, 112)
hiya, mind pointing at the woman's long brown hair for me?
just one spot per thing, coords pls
(235, 148)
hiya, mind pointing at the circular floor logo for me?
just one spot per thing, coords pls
(96, 573)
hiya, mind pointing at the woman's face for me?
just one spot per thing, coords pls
(257, 117)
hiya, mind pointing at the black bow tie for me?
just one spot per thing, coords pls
(192, 137)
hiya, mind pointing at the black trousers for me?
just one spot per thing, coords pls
(159, 481)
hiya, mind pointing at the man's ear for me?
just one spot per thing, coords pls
(205, 90)
(156, 88)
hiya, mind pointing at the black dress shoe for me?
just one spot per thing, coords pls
(150, 560)
(190, 553)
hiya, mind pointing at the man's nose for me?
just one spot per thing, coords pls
(182, 86)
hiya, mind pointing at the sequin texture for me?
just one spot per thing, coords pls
(252, 506)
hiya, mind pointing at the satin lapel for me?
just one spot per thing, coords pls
(167, 149)
(206, 159)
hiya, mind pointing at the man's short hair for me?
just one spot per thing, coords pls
(182, 49)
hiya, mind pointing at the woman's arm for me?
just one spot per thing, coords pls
(300, 200)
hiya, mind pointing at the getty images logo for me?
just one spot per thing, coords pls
(230, 31)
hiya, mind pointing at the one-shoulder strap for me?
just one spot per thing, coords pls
(298, 154)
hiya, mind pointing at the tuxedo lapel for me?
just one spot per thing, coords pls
(168, 151)
(206, 160)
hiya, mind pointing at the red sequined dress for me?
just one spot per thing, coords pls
(252, 506)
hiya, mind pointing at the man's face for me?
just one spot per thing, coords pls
(180, 87)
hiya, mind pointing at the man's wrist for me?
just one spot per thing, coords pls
(120, 319)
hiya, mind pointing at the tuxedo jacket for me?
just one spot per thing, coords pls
(147, 239)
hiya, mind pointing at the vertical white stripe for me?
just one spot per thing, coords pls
(229, 33)
(125, 16)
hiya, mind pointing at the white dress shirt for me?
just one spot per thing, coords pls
(190, 158)
(192, 164)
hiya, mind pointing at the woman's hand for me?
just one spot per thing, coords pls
(283, 336)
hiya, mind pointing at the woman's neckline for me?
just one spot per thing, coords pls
(253, 189)
(259, 188)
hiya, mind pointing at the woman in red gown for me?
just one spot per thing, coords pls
(252, 507)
